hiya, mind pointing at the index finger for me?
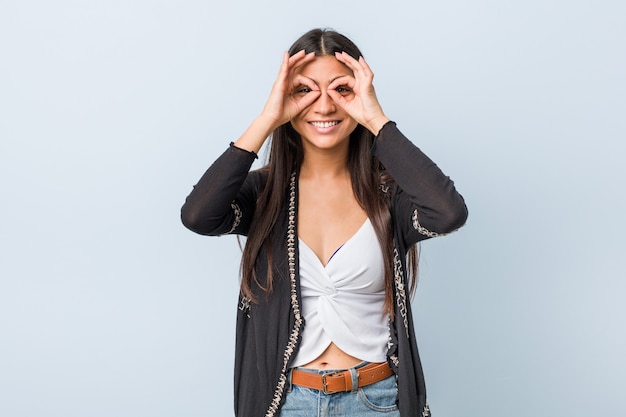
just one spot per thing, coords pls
(299, 59)
(343, 80)
(357, 66)
(302, 80)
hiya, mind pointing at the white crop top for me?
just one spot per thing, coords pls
(343, 301)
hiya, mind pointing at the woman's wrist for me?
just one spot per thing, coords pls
(376, 124)
(255, 136)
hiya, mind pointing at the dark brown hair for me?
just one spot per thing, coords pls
(368, 176)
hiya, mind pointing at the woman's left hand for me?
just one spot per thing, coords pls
(363, 106)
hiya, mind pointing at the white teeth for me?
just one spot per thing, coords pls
(324, 124)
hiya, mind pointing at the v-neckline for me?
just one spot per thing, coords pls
(324, 265)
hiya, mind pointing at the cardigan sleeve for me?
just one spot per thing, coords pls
(224, 199)
(426, 203)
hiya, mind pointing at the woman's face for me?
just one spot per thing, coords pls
(324, 125)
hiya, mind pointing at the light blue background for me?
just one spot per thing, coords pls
(110, 111)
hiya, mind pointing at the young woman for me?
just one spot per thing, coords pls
(324, 322)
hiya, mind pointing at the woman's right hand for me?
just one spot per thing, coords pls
(283, 104)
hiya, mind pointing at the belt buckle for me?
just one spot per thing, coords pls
(325, 386)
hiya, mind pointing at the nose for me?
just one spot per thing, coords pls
(324, 104)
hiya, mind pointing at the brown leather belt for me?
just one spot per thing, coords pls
(341, 381)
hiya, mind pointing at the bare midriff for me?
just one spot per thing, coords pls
(333, 358)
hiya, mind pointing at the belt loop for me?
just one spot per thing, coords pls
(289, 384)
(354, 375)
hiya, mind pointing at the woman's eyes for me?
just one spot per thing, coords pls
(302, 90)
(343, 90)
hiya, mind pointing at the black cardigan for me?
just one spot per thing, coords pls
(424, 204)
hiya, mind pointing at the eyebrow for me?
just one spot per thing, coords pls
(330, 82)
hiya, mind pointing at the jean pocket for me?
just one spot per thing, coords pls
(299, 401)
(380, 396)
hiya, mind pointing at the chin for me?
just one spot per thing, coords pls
(326, 143)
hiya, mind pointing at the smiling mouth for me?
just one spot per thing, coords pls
(325, 124)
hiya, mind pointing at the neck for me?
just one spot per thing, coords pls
(324, 163)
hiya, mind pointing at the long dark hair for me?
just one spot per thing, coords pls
(370, 183)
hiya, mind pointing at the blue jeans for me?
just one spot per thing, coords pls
(375, 400)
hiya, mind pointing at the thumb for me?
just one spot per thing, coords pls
(337, 98)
